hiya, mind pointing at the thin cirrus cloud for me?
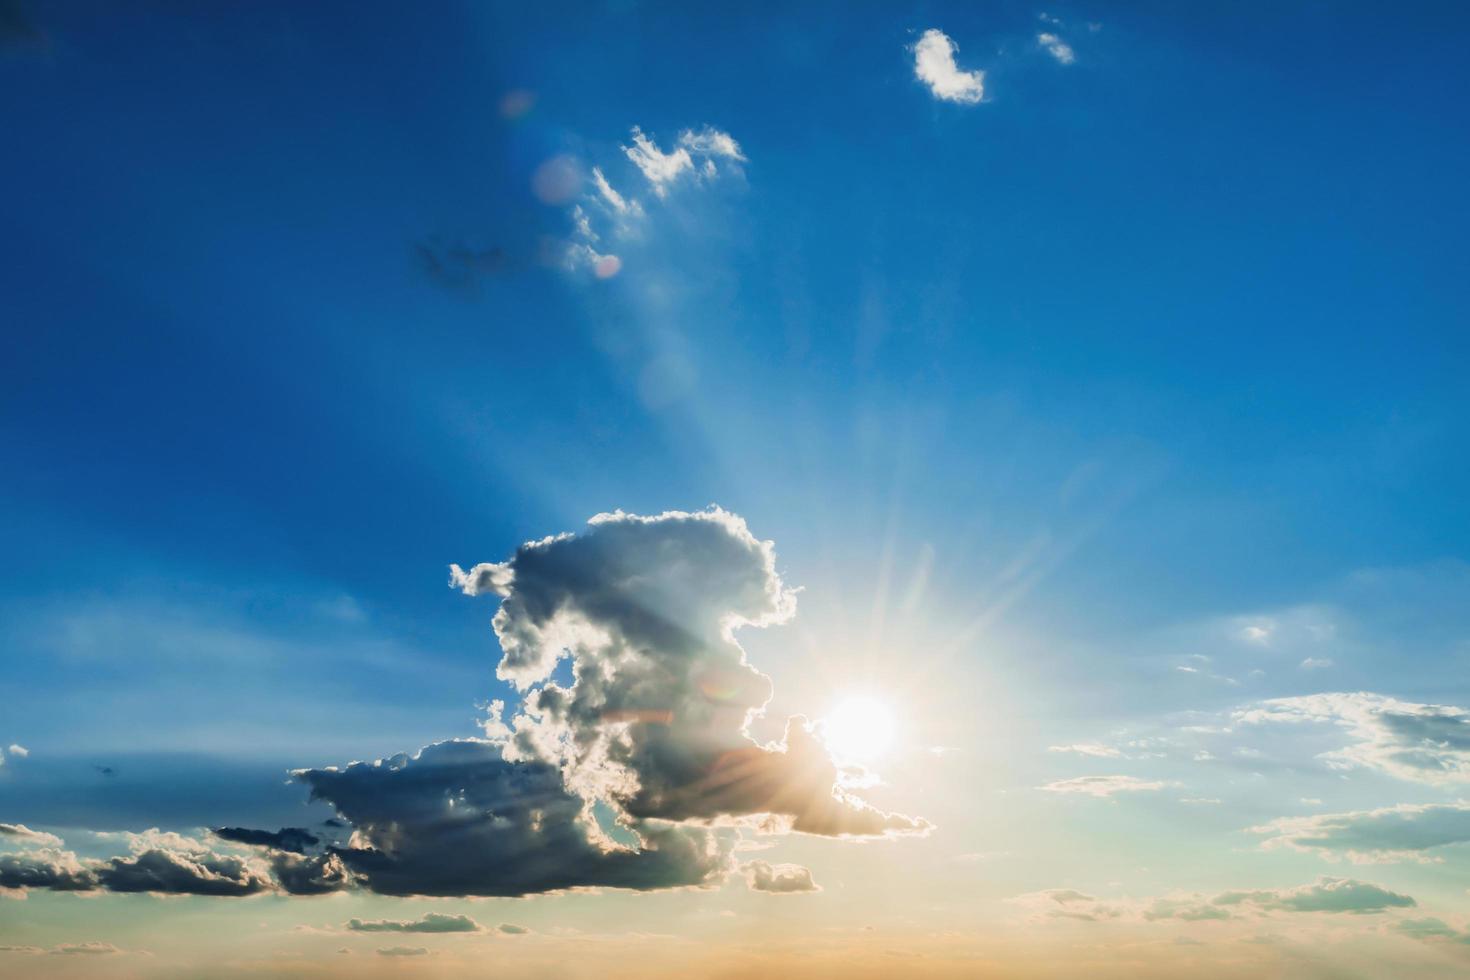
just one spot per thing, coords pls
(1424, 743)
(1342, 896)
(652, 732)
(1103, 786)
(935, 66)
(1407, 832)
(695, 154)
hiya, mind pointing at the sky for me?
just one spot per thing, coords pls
(821, 489)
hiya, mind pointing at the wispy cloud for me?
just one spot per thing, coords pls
(1345, 896)
(1103, 785)
(1425, 743)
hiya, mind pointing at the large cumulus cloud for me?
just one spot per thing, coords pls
(655, 722)
(628, 777)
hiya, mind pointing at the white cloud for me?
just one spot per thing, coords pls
(1102, 785)
(19, 751)
(659, 167)
(663, 169)
(1316, 663)
(711, 142)
(934, 65)
(1256, 634)
(617, 202)
(1056, 47)
(1424, 743)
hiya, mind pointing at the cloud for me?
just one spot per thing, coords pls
(1316, 663)
(19, 751)
(511, 929)
(457, 818)
(1102, 785)
(46, 868)
(711, 142)
(21, 834)
(659, 167)
(1057, 48)
(1331, 895)
(85, 949)
(663, 169)
(402, 951)
(619, 204)
(780, 879)
(1325, 895)
(1088, 748)
(295, 839)
(317, 874)
(1395, 833)
(631, 776)
(162, 863)
(1423, 743)
(934, 65)
(183, 872)
(1431, 931)
(655, 722)
(431, 922)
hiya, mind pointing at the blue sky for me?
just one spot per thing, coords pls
(1082, 414)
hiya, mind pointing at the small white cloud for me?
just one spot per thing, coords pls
(710, 142)
(1200, 800)
(1256, 634)
(934, 65)
(1056, 47)
(19, 751)
(1316, 663)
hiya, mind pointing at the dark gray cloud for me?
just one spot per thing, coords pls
(780, 879)
(458, 819)
(431, 922)
(511, 929)
(402, 951)
(1390, 833)
(655, 722)
(174, 872)
(46, 868)
(294, 839)
(315, 874)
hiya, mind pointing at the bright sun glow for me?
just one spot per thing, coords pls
(858, 729)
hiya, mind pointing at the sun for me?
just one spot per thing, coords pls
(858, 729)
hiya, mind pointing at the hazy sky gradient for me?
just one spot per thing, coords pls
(1098, 374)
